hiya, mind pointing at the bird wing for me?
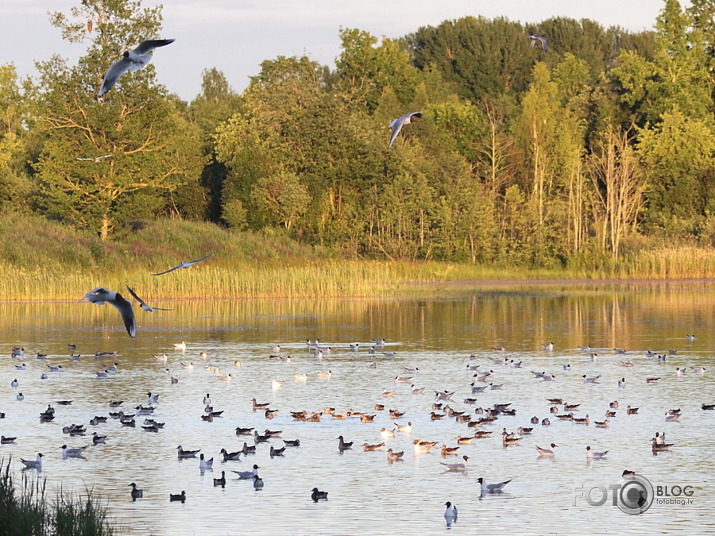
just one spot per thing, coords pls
(199, 260)
(125, 309)
(396, 127)
(145, 306)
(151, 44)
(137, 298)
(117, 69)
(169, 270)
(185, 264)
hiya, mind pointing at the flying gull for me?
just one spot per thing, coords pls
(187, 264)
(100, 296)
(132, 60)
(396, 124)
(143, 305)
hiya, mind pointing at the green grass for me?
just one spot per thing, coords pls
(25, 510)
(45, 261)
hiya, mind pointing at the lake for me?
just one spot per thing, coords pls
(442, 335)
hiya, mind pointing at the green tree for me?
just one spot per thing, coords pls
(142, 144)
(677, 157)
(282, 195)
(365, 68)
(216, 103)
(619, 187)
(14, 184)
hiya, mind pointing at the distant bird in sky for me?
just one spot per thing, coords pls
(187, 264)
(396, 124)
(132, 60)
(541, 39)
(100, 296)
(143, 304)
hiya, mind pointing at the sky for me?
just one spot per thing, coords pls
(235, 36)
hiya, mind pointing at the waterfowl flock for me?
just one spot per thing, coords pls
(457, 413)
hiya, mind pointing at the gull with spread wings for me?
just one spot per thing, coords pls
(132, 60)
(100, 296)
(143, 304)
(185, 265)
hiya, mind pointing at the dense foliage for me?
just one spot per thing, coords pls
(599, 144)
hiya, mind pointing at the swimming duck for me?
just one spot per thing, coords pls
(343, 445)
(227, 456)
(221, 481)
(136, 492)
(177, 497)
(317, 495)
(186, 453)
(394, 456)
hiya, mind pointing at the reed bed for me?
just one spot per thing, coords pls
(319, 279)
(49, 261)
(25, 510)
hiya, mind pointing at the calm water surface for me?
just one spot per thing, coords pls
(366, 494)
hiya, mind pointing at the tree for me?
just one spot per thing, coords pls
(619, 188)
(282, 195)
(216, 103)
(142, 144)
(677, 156)
(14, 184)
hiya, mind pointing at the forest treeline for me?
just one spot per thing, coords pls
(570, 154)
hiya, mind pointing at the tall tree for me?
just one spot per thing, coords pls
(141, 143)
(619, 186)
(216, 103)
(14, 184)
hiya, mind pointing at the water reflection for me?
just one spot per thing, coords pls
(432, 339)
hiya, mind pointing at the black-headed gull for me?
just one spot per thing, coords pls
(33, 464)
(492, 488)
(100, 296)
(541, 39)
(143, 304)
(186, 264)
(545, 452)
(72, 453)
(204, 464)
(592, 455)
(396, 124)
(131, 61)
(247, 475)
(460, 467)
(450, 513)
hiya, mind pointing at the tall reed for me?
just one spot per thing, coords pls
(25, 511)
(48, 261)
